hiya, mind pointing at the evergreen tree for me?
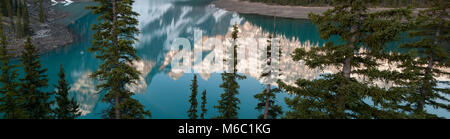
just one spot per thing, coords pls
(132, 109)
(113, 40)
(19, 25)
(15, 5)
(11, 101)
(9, 10)
(3, 7)
(66, 108)
(267, 97)
(1, 17)
(192, 112)
(228, 104)
(42, 17)
(267, 103)
(428, 57)
(34, 81)
(203, 106)
(340, 95)
(26, 19)
(1, 24)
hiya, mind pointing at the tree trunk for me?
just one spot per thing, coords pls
(347, 68)
(114, 33)
(426, 85)
(346, 71)
(266, 109)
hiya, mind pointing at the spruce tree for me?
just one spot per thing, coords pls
(267, 103)
(192, 112)
(9, 10)
(25, 19)
(203, 106)
(113, 40)
(11, 101)
(267, 97)
(132, 109)
(32, 84)
(228, 104)
(42, 17)
(340, 95)
(19, 25)
(3, 7)
(1, 24)
(426, 60)
(66, 108)
(1, 18)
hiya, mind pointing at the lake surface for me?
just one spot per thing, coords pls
(164, 92)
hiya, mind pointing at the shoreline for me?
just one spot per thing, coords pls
(60, 35)
(283, 11)
(52, 34)
(246, 7)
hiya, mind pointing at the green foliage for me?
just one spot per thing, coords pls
(19, 25)
(340, 95)
(426, 59)
(203, 106)
(113, 44)
(11, 100)
(1, 25)
(264, 97)
(228, 104)
(26, 20)
(267, 97)
(132, 109)
(9, 11)
(42, 16)
(35, 80)
(66, 108)
(192, 112)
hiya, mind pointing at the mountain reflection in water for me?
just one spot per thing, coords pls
(166, 92)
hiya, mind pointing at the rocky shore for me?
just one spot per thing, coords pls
(45, 36)
(296, 12)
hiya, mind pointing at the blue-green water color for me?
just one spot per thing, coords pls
(163, 93)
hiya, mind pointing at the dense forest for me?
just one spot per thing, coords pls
(17, 15)
(381, 3)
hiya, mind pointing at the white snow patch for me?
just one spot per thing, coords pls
(65, 2)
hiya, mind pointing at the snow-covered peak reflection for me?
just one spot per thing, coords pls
(161, 21)
(84, 88)
(253, 59)
(150, 10)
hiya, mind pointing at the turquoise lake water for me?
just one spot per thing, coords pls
(166, 94)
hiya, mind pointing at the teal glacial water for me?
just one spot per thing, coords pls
(163, 92)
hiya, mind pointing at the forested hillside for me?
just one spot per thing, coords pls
(384, 3)
(36, 19)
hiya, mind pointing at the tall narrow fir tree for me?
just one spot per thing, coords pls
(363, 39)
(426, 61)
(203, 106)
(113, 40)
(67, 108)
(192, 112)
(42, 16)
(37, 104)
(11, 102)
(228, 104)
